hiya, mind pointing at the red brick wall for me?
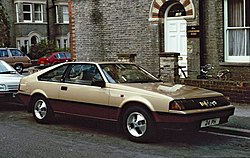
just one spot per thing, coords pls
(236, 91)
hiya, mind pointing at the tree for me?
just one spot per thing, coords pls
(4, 28)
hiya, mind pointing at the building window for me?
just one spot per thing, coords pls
(237, 30)
(65, 14)
(59, 43)
(27, 12)
(38, 11)
(65, 43)
(26, 46)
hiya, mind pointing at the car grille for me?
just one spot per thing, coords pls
(12, 87)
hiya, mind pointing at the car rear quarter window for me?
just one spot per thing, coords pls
(4, 53)
(54, 75)
(83, 74)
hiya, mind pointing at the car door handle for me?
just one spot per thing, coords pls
(64, 88)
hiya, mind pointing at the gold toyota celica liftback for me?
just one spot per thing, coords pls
(121, 92)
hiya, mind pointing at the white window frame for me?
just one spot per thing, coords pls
(27, 12)
(38, 12)
(65, 13)
(65, 43)
(238, 59)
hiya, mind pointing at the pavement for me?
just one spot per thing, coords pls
(238, 124)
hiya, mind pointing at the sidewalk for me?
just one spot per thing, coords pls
(239, 123)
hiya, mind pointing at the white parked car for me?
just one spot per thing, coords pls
(9, 82)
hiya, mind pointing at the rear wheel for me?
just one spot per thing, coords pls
(42, 111)
(138, 125)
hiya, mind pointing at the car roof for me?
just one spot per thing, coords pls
(102, 62)
(8, 48)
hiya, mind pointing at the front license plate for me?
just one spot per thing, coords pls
(210, 122)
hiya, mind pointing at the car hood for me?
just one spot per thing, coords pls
(176, 91)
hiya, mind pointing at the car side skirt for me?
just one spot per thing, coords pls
(85, 109)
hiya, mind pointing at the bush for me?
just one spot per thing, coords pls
(40, 49)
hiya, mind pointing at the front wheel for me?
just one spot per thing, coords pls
(42, 111)
(138, 125)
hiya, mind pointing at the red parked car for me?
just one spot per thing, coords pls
(54, 58)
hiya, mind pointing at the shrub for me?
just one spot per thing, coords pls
(40, 49)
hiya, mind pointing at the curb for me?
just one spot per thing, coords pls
(229, 130)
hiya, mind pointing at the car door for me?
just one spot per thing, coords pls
(19, 57)
(50, 83)
(80, 97)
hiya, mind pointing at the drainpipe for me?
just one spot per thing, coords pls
(48, 8)
(202, 39)
(48, 22)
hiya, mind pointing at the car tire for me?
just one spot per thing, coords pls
(42, 111)
(138, 124)
(19, 68)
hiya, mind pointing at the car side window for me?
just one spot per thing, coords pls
(4, 53)
(68, 55)
(16, 53)
(83, 74)
(55, 75)
(61, 55)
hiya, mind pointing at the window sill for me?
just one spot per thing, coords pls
(31, 23)
(235, 64)
(61, 23)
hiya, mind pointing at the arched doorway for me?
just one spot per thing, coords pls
(175, 33)
(173, 13)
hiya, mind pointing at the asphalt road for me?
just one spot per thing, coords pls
(22, 137)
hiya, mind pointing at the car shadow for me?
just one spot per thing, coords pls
(163, 137)
(12, 106)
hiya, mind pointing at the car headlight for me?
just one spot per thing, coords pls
(176, 105)
(2, 87)
(198, 103)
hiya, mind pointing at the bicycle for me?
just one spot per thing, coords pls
(224, 74)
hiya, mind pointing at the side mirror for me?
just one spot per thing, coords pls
(101, 83)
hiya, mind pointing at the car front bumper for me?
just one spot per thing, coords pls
(191, 121)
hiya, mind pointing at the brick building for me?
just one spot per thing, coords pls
(31, 21)
(203, 32)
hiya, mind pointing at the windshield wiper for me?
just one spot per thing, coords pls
(145, 81)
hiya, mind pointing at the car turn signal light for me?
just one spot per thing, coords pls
(174, 105)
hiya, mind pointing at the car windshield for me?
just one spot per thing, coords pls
(127, 73)
(6, 69)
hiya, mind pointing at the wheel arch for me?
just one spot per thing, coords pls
(33, 96)
(129, 104)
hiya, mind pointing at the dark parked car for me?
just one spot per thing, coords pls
(54, 58)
